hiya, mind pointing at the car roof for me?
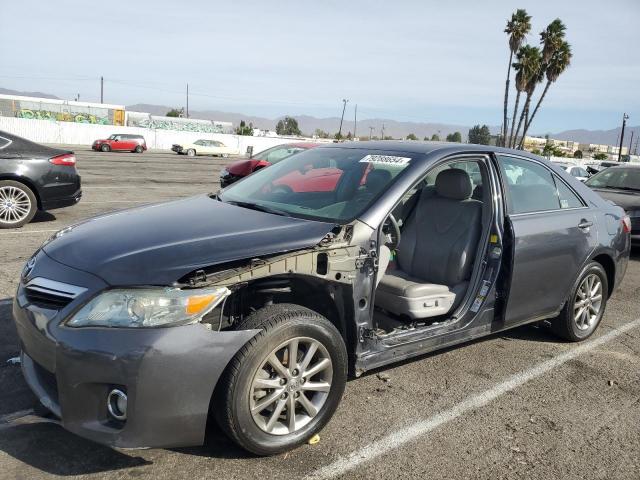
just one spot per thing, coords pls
(421, 147)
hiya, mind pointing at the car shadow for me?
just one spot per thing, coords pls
(51, 449)
(42, 217)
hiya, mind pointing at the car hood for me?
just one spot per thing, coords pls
(243, 167)
(626, 199)
(158, 244)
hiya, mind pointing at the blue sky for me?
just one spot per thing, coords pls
(411, 60)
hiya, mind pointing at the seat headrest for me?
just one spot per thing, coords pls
(453, 183)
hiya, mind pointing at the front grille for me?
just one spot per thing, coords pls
(50, 294)
(635, 224)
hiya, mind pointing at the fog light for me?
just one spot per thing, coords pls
(117, 404)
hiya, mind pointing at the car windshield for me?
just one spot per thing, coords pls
(112, 137)
(327, 184)
(277, 153)
(621, 178)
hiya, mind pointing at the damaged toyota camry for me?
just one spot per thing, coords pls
(252, 306)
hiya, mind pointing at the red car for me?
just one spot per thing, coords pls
(121, 142)
(241, 168)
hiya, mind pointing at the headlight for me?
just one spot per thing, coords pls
(148, 307)
(224, 172)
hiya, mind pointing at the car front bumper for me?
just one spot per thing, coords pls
(227, 179)
(168, 374)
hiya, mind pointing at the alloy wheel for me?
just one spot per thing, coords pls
(291, 386)
(588, 302)
(15, 204)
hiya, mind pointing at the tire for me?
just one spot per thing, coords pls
(191, 152)
(18, 204)
(139, 149)
(105, 148)
(569, 325)
(225, 155)
(236, 393)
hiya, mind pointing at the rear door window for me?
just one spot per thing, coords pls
(529, 186)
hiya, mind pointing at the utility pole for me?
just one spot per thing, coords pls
(371, 132)
(355, 123)
(101, 89)
(187, 100)
(382, 132)
(625, 117)
(344, 106)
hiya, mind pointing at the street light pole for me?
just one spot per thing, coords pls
(355, 122)
(187, 100)
(101, 89)
(625, 117)
(371, 132)
(344, 106)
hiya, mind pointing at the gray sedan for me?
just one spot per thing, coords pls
(251, 306)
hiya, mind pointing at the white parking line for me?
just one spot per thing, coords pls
(412, 432)
(17, 232)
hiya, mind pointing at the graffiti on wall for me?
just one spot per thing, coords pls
(62, 116)
(176, 124)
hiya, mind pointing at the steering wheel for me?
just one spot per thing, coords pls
(391, 231)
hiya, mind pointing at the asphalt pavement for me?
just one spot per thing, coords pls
(520, 404)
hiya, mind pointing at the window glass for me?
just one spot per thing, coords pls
(199, 142)
(530, 186)
(568, 199)
(330, 184)
(617, 177)
(282, 153)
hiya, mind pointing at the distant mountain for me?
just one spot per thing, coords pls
(606, 137)
(394, 128)
(7, 91)
(309, 124)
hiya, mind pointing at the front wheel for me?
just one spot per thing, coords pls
(18, 204)
(585, 306)
(139, 149)
(285, 384)
(104, 147)
(191, 152)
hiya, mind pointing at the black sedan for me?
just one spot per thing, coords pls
(250, 306)
(621, 185)
(34, 177)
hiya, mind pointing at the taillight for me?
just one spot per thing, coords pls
(67, 159)
(626, 224)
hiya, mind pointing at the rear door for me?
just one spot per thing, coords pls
(553, 235)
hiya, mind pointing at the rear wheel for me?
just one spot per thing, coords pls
(105, 148)
(191, 152)
(18, 204)
(138, 149)
(585, 306)
(285, 384)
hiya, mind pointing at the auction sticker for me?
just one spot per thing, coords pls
(385, 160)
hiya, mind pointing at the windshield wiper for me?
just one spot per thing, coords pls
(628, 188)
(260, 208)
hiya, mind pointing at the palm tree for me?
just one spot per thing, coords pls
(551, 39)
(527, 66)
(517, 28)
(558, 63)
(535, 69)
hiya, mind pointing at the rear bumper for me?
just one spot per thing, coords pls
(61, 202)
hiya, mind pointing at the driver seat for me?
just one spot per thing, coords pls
(435, 260)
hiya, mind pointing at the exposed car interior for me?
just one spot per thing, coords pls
(424, 277)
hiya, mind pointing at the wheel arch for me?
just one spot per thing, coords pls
(32, 186)
(609, 266)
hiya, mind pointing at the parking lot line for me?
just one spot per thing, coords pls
(17, 232)
(411, 432)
